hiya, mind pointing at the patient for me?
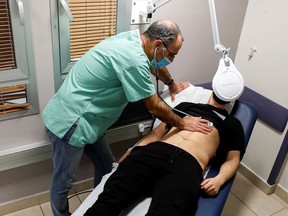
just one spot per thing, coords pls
(168, 164)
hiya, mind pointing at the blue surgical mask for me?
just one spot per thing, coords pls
(162, 63)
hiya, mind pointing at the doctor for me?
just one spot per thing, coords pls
(97, 89)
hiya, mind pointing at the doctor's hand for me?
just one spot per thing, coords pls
(177, 87)
(197, 124)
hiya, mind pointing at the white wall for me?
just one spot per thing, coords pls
(197, 62)
(265, 28)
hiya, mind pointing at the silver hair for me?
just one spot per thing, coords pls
(165, 30)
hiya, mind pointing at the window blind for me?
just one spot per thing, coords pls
(7, 56)
(94, 20)
(13, 99)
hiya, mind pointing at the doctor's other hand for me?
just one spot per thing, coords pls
(197, 124)
(177, 87)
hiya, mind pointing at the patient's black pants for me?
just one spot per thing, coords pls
(170, 175)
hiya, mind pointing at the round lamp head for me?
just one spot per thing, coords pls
(227, 83)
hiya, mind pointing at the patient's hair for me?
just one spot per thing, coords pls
(165, 30)
(218, 100)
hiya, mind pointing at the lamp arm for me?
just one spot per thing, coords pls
(151, 7)
(160, 5)
(218, 47)
(142, 10)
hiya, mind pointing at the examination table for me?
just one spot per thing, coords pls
(207, 206)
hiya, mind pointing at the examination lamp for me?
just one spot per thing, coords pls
(142, 10)
(227, 83)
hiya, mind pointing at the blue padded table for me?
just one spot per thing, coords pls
(213, 206)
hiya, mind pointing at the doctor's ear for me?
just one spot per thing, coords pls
(158, 42)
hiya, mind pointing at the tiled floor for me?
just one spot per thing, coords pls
(244, 200)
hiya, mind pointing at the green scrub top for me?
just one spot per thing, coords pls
(98, 88)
